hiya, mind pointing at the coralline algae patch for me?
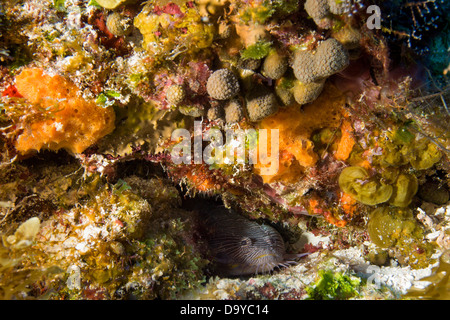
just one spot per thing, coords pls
(64, 119)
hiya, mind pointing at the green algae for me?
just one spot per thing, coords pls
(405, 188)
(403, 135)
(402, 148)
(257, 51)
(268, 9)
(388, 225)
(259, 14)
(356, 182)
(333, 285)
(397, 229)
(424, 155)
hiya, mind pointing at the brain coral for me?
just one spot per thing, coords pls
(69, 121)
(222, 85)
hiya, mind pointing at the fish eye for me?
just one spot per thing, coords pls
(272, 240)
(246, 241)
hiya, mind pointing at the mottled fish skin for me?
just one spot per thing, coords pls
(240, 246)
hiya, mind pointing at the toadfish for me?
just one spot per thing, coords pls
(242, 247)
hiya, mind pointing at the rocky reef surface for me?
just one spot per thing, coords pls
(127, 126)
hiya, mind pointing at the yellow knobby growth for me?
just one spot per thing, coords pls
(170, 35)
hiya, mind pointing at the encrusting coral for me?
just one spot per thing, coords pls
(321, 10)
(234, 112)
(175, 94)
(307, 92)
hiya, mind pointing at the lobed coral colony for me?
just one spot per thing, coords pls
(224, 149)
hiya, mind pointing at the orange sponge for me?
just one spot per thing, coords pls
(296, 127)
(65, 120)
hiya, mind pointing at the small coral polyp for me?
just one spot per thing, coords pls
(70, 122)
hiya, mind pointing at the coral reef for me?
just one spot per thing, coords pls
(313, 136)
